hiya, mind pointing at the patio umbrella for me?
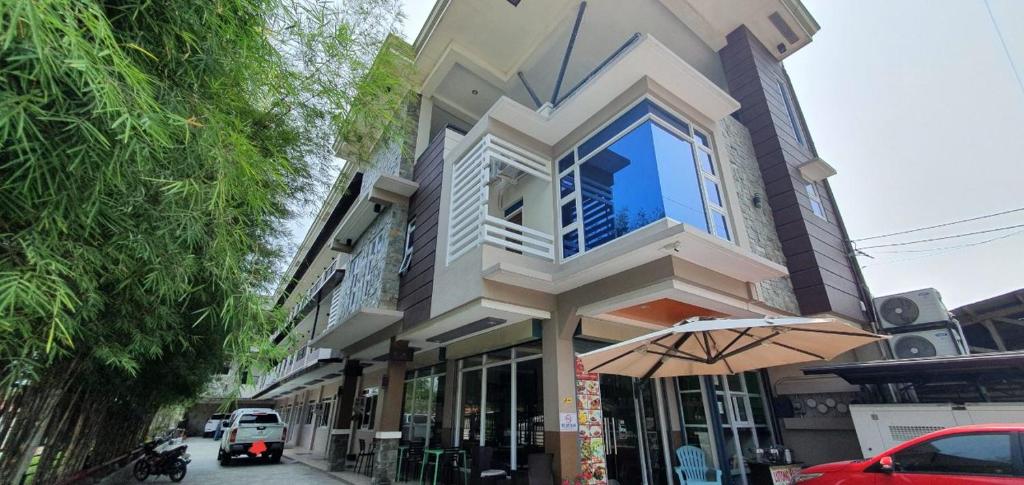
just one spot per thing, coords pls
(711, 347)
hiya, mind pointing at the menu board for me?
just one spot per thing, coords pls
(590, 440)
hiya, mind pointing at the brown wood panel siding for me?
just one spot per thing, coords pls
(416, 285)
(821, 271)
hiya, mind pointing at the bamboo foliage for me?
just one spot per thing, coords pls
(150, 151)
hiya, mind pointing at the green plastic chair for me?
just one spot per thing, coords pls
(693, 468)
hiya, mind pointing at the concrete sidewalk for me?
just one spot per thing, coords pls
(316, 461)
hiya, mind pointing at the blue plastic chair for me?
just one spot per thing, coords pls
(693, 468)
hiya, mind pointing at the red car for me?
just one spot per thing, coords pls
(967, 455)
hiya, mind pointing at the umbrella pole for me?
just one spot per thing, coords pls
(657, 365)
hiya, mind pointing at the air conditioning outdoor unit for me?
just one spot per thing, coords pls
(904, 310)
(935, 342)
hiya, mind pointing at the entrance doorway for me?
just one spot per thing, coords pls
(634, 438)
(743, 415)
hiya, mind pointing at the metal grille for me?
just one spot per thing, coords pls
(905, 433)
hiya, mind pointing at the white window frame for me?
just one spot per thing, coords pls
(370, 400)
(817, 206)
(513, 424)
(794, 124)
(410, 242)
(710, 209)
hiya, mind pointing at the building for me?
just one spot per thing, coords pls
(994, 324)
(219, 394)
(993, 329)
(574, 174)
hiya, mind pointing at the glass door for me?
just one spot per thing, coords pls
(500, 404)
(742, 411)
(633, 433)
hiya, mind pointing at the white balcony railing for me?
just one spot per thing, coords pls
(319, 283)
(470, 224)
(300, 359)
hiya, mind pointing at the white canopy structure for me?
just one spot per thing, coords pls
(725, 346)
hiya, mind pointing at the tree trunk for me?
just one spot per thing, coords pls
(31, 417)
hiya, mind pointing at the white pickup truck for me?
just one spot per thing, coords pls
(252, 432)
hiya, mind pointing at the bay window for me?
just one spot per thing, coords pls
(644, 166)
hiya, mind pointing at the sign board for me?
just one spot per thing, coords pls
(784, 474)
(567, 422)
(590, 428)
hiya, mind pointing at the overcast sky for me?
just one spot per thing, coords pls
(916, 105)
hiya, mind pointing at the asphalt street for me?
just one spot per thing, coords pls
(205, 469)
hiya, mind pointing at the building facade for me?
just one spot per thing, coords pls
(573, 175)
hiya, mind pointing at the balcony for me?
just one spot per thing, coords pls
(382, 191)
(323, 284)
(644, 184)
(489, 204)
(304, 366)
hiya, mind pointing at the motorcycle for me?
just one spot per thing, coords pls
(172, 462)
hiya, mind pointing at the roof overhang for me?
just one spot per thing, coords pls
(315, 374)
(311, 253)
(503, 34)
(385, 190)
(960, 368)
(474, 318)
(499, 38)
(361, 324)
(679, 290)
(773, 22)
(647, 62)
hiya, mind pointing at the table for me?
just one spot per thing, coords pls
(436, 453)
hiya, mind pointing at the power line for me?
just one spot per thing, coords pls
(948, 249)
(958, 246)
(1006, 50)
(986, 231)
(960, 221)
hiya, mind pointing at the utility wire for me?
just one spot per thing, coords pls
(947, 250)
(1006, 50)
(960, 221)
(986, 231)
(958, 246)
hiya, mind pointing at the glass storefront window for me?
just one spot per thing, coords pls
(529, 408)
(510, 383)
(469, 424)
(743, 413)
(499, 414)
(421, 408)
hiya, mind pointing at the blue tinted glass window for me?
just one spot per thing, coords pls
(792, 115)
(702, 139)
(643, 108)
(721, 226)
(570, 244)
(705, 162)
(680, 184)
(517, 205)
(567, 184)
(669, 118)
(568, 213)
(617, 194)
(616, 127)
(565, 162)
(714, 196)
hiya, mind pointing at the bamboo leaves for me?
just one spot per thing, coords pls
(149, 153)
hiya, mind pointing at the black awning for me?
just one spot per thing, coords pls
(961, 368)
